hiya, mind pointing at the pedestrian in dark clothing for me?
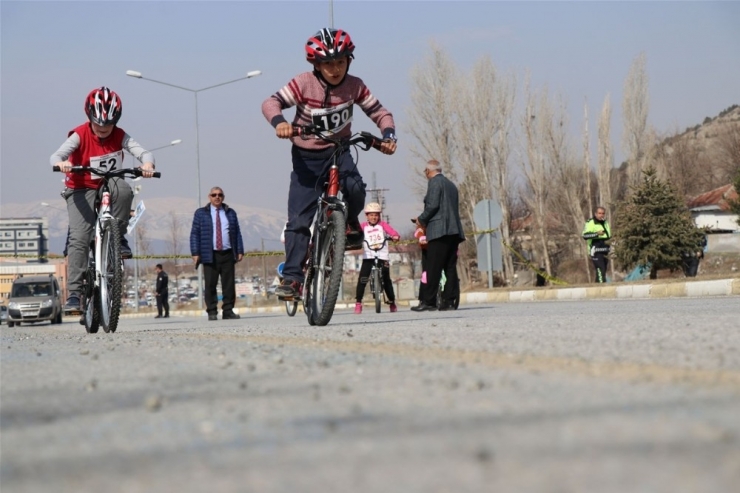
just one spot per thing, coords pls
(597, 232)
(216, 242)
(161, 292)
(444, 232)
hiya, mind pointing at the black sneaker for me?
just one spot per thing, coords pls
(73, 302)
(355, 236)
(288, 289)
(125, 249)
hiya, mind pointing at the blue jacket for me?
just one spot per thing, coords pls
(201, 234)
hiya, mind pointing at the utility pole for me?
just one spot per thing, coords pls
(376, 195)
(264, 265)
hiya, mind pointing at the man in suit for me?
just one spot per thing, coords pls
(444, 233)
(216, 242)
(161, 292)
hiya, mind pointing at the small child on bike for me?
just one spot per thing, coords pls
(97, 143)
(324, 97)
(375, 232)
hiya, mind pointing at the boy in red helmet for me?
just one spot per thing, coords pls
(324, 97)
(95, 143)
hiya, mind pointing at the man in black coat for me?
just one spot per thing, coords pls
(444, 232)
(161, 292)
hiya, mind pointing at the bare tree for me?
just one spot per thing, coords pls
(568, 180)
(484, 125)
(143, 243)
(534, 126)
(175, 241)
(635, 105)
(587, 156)
(432, 115)
(728, 153)
(605, 158)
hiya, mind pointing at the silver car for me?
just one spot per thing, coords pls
(35, 299)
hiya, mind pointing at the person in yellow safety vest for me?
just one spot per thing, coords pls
(597, 232)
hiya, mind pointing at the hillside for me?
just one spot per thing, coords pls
(703, 157)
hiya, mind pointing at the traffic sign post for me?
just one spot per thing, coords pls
(487, 216)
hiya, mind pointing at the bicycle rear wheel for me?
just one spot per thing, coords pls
(377, 289)
(111, 268)
(327, 269)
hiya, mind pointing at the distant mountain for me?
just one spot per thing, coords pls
(256, 223)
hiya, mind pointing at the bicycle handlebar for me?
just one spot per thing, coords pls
(366, 138)
(385, 241)
(113, 173)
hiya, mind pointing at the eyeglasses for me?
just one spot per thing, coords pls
(217, 195)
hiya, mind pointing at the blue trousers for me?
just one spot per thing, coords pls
(305, 189)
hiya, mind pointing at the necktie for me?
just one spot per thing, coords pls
(219, 238)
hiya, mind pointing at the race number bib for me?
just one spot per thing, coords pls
(375, 239)
(332, 120)
(105, 163)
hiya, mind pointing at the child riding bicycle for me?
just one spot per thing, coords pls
(324, 98)
(375, 231)
(98, 143)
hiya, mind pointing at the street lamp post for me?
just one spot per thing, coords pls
(137, 190)
(138, 75)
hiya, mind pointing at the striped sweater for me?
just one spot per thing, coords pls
(309, 93)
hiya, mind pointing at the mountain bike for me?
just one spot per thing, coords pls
(102, 284)
(326, 248)
(376, 274)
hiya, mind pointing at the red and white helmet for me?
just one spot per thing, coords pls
(329, 44)
(103, 106)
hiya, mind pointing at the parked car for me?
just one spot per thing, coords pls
(3, 314)
(35, 299)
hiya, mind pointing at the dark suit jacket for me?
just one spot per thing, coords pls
(441, 215)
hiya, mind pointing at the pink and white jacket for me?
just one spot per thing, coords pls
(374, 235)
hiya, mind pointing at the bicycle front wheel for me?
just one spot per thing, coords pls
(111, 280)
(377, 289)
(327, 275)
(90, 315)
(291, 307)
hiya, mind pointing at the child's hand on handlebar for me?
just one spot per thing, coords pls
(284, 130)
(65, 166)
(147, 170)
(395, 238)
(388, 147)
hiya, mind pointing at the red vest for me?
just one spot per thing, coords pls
(92, 149)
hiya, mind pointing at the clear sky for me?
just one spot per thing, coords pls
(54, 53)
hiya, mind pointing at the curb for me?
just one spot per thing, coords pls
(687, 289)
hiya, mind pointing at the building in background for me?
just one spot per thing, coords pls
(24, 250)
(25, 238)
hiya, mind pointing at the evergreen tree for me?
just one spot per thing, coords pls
(654, 227)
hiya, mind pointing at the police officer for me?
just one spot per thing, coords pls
(597, 232)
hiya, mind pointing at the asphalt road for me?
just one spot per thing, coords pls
(587, 396)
